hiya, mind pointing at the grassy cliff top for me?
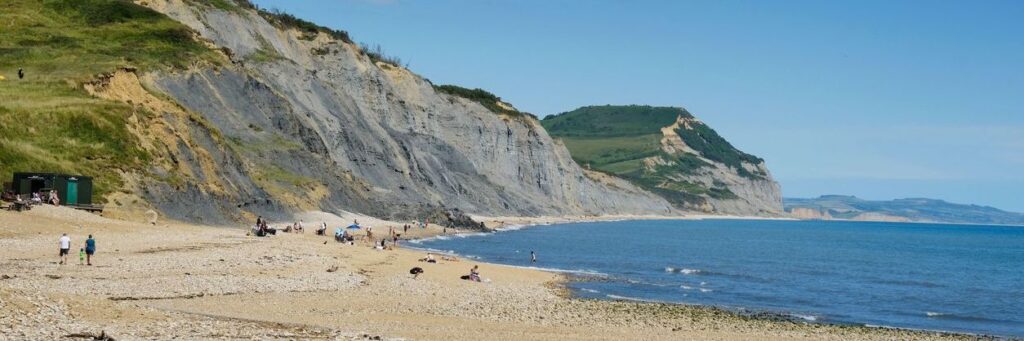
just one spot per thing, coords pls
(612, 121)
(48, 122)
(617, 139)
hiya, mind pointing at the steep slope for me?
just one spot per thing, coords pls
(272, 115)
(50, 122)
(828, 207)
(669, 152)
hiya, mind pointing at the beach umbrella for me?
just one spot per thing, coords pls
(353, 227)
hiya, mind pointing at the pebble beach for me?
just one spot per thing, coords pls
(176, 280)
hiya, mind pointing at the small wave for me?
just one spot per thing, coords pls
(579, 272)
(703, 283)
(705, 290)
(686, 287)
(511, 228)
(592, 291)
(467, 235)
(684, 271)
(948, 316)
(627, 298)
(811, 318)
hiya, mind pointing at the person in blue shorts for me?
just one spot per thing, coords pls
(90, 249)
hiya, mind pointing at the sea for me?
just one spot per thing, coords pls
(958, 278)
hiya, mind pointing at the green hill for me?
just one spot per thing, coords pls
(47, 120)
(627, 141)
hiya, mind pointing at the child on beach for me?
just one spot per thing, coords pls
(81, 256)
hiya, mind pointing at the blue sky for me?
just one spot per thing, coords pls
(879, 99)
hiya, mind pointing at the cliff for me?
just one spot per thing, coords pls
(669, 152)
(298, 119)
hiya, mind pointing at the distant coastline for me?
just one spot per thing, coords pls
(920, 210)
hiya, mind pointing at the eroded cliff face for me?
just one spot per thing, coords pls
(748, 191)
(301, 122)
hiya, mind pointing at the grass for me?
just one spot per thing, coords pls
(278, 174)
(266, 52)
(224, 5)
(612, 121)
(48, 123)
(613, 153)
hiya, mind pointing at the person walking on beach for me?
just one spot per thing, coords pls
(533, 257)
(65, 246)
(90, 249)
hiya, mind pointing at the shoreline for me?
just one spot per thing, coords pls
(201, 282)
(567, 276)
(495, 223)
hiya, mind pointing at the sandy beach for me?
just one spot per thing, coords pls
(175, 280)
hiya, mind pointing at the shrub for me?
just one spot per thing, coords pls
(376, 54)
(485, 98)
(283, 19)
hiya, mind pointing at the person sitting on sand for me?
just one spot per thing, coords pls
(54, 199)
(298, 227)
(322, 230)
(429, 258)
(267, 229)
(449, 258)
(474, 273)
(36, 199)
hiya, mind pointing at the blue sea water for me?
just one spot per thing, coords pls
(923, 276)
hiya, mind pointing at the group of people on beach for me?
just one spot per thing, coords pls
(84, 254)
(474, 273)
(262, 229)
(342, 235)
(38, 198)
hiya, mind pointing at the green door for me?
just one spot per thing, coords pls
(72, 195)
(25, 187)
